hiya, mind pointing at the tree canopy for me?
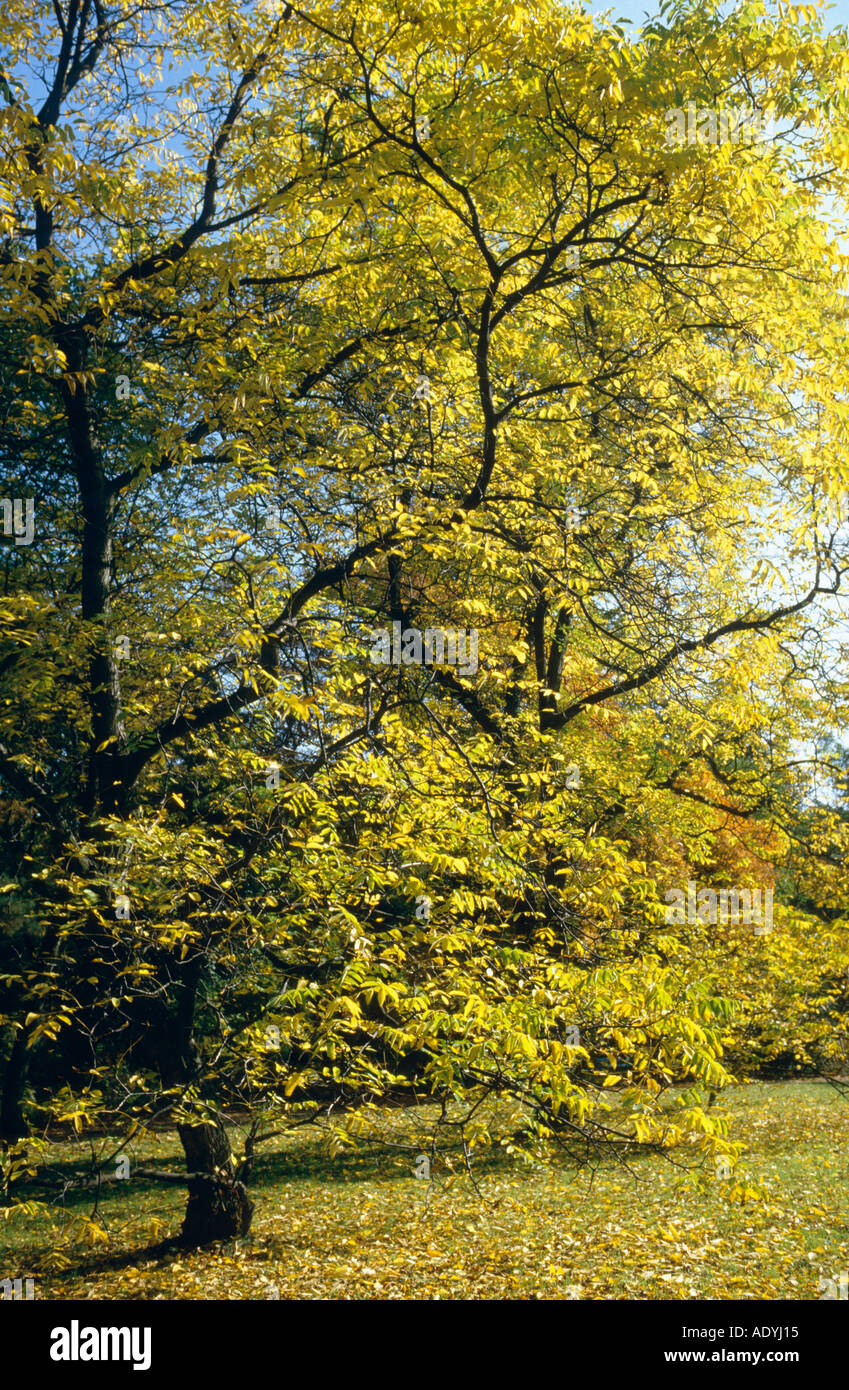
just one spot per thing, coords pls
(331, 321)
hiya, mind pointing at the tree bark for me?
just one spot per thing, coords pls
(218, 1207)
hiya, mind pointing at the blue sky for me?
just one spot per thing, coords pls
(636, 10)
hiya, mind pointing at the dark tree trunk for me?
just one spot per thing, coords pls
(218, 1207)
(12, 1123)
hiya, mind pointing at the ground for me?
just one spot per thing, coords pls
(361, 1225)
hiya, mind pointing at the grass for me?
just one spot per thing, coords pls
(360, 1225)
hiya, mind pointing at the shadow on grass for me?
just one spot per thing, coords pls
(68, 1183)
(384, 1164)
(164, 1252)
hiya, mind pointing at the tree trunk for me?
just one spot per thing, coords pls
(12, 1123)
(218, 1207)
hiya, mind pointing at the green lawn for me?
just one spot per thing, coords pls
(361, 1225)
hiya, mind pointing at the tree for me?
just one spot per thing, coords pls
(364, 318)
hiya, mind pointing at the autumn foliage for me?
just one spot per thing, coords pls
(319, 320)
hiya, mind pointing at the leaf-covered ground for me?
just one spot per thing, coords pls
(362, 1225)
